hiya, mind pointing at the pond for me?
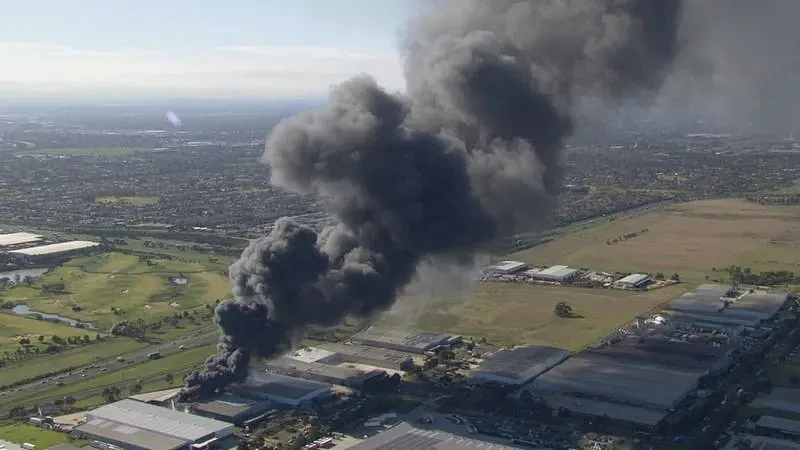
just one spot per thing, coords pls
(23, 310)
(23, 273)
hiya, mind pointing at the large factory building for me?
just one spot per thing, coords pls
(517, 366)
(404, 341)
(53, 252)
(721, 304)
(13, 241)
(135, 425)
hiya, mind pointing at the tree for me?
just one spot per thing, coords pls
(169, 378)
(659, 276)
(562, 309)
(675, 277)
(136, 388)
(41, 338)
(69, 400)
(108, 396)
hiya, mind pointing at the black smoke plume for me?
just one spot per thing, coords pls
(472, 151)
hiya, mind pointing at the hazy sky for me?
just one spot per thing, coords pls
(195, 48)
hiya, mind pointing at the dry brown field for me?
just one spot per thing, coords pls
(689, 239)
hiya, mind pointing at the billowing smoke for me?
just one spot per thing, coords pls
(470, 152)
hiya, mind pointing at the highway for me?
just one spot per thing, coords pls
(16, 396)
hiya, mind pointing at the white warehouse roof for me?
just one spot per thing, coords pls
(634, 278)
(51, 249)
(18, 238)
(507, 267)
(556, 272)
(161, 420)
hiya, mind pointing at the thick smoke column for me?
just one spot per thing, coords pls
(472, 152)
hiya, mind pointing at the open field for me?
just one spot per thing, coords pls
(138, 200)
(511, 313)
(143, 290)
(20, 433)
(689, 239)
(13, 328)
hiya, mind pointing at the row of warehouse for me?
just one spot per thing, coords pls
(644, 372)
(27, 248)
(560, 274)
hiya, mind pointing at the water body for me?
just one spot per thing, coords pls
(23, 273)
(23, 310)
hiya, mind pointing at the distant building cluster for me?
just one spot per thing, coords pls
(520, 272)
(28, 248)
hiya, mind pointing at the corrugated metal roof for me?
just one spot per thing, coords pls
(634, 278)
(122, 433)
(54, 248)
(162, 420)
(18, 238)
(779, 423)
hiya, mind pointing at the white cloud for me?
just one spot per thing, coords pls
(34, 69)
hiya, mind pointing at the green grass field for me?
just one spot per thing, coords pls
(13, 328)
(141, 290)
(19, 433)
(138, 200)
(689, 239)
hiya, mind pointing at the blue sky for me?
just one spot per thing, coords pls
(196, 48)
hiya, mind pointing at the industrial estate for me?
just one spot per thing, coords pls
(628, 284)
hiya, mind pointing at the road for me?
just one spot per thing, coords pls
(16, 395)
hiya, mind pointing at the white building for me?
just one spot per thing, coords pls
(506, 267)
(633, 281)
(557, 274)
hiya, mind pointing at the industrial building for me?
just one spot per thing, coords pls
(506, 267)
(780, 400)
(53, 251)
(404, 341)
(778, 426)
(369, 356)
(517, 366)
(721, 304)
(282, 389)
(159, 398)
(621, 388)
(634, 281)
(135, 425)
(674, 348)
(229, 408)
(760, 443)
(14, 241)
(407, 436)
(556, 274)
(351, 377)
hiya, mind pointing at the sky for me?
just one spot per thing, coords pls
(120, 49)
